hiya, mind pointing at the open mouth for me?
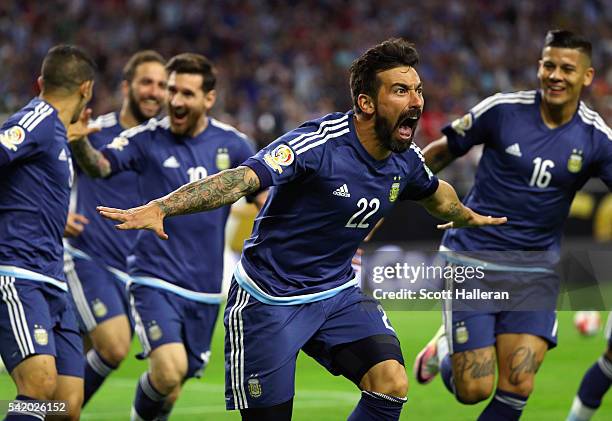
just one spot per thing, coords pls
(179, 115)
(407, 126)
(556, 90)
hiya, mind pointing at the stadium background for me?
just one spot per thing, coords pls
(281, 63)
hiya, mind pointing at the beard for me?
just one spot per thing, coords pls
(135, 109)
(384, 130)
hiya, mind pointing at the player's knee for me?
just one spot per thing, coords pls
(523, 387)
(390, 378)
(474, 392)
(167, 378)
(114, 353)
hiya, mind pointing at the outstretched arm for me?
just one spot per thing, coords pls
(437, 155)
(445, 204)
(91, 160)
(212, 192)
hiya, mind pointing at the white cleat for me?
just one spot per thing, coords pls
(427, 363)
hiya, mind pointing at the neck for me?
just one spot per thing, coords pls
(555, 116)
(64, 105)
(126, 117)
(201, 126)
(364, 126)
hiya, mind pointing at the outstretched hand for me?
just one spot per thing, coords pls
(474, 220)
(81, 128)
(149, 216)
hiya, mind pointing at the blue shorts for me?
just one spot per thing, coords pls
(476, 329)
(98, 293)
(262, 341)
(162, 317)
(38, 318)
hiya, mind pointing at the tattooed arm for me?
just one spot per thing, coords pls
(91, 160)
(445, 204)
(437, 155)
(212, 192)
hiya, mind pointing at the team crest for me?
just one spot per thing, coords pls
(574, 163)
(254, 387)
(395, 189)
(461, 335)
(155, 332)
(99, 308)
(223, 159)
(283, 155)
(12, 137)
(41, 336)
(463, 124)
(119, 143)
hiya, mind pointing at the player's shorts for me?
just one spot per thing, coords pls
(38, 318)
(262, 341)
(98, 293)
(162, 317)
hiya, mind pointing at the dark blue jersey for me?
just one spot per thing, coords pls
(100, 239)
(190, 263)
(35, 178)
(327, 194)
(528, 172)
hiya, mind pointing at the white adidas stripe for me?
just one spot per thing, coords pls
(29, 116)
(78, 294)
(235, 327)
(502, 100)
(19, 323)
(139, 327)
(150, 125)
(320, 142)
(592, 118)
(226, 127)
(321, 126)
(40, 118)
(319, 135)
(491, 101)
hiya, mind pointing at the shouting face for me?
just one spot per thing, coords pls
(188, 104)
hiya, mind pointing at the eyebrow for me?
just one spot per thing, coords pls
(407, 87)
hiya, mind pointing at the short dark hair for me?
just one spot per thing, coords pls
(194, 64)
(141, 57)
(65, 67)
(394, 52)
(561, 38)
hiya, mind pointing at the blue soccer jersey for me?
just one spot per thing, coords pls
(190, 262)
(100, 239)
(528, 172)
(327, 194)
(35, 179)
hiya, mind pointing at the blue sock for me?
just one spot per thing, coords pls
(25, 416)
(96, 371)
(505, 406)
(596, 383)
(446, 372)
(148, 402)
(374, 406)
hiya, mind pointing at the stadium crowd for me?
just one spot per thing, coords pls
(284, 62)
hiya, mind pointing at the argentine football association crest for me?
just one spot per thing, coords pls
(395, 189)
(40, 335)
(254, 387)
(574, 163)
(99, 308)
(223, 159)
(461, 334)
(463, 124)
(155, 332)
(12, 137)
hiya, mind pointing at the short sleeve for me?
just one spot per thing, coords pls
(126, 152)
(295, 154)
(604, 167)
(16, 143)
(473, 128)
(421, 182)
(244, 150)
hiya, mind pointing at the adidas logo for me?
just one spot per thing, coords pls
(171, 162)
(514, 149)
(342, 191)
(63, 156)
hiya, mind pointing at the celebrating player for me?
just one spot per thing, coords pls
(540, 147)
(176, 285)
(96, 269)
(333, 178)
(41, 346)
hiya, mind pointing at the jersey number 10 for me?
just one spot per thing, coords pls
(541, 177)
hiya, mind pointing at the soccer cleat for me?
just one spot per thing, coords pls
(427, 363)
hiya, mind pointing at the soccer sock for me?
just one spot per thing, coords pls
(446, 372)
(148, 402)
(22, 415)
(374, 406)
(505, 406)
(593, 387)
(164, 414)
(96, 371)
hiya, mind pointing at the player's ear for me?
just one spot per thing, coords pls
(210, 97)
(366, 104)
(589, 74)
(125, 88)
(86, 89)
(41, 83)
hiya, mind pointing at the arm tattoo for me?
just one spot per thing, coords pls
(522, 361)
(473, 366)
(212, 192)
(91, 160)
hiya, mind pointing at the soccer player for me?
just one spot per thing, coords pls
(96, 269)
(294, 289)
(540, 147)
(176, 285)
(595, 383)
(40, 342)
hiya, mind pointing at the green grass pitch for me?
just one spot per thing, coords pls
(320, 396)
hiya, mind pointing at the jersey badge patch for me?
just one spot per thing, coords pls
(99, 308)
(395, 189)
(41, 336)
(155, 332)
(12, 137)
(223, 159)
(255, 389)
(462, 124)
(119, 143)
(574, 163)
(283, 155)
(461, 335)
